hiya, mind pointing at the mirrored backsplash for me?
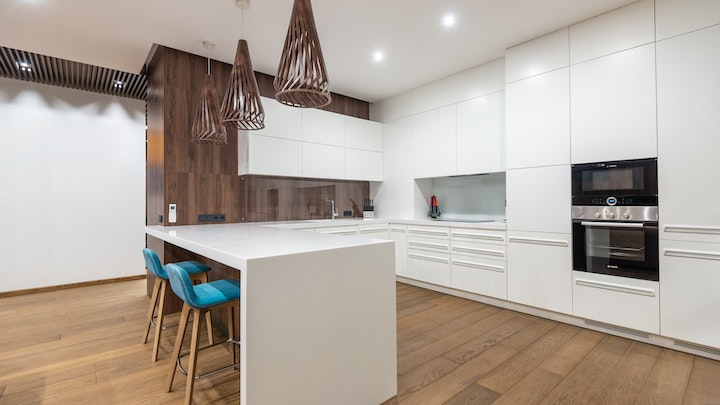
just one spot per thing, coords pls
(268, 198)
(471, 198)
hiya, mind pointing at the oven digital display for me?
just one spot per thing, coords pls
(613, 179)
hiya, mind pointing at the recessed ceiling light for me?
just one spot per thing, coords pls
(23, 66)
(118, 84)
(449, 20)
(378, 56)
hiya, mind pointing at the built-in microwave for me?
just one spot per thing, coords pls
(626, 182)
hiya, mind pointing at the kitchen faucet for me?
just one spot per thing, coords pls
(333, 213)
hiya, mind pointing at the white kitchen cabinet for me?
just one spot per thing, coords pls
(374, 230)
(258, 154)
(338, 230)
(540, 55)
(281, 121)
(363, 165)
(398, 149)
(478, 261)
(323, 161)
(363, 134)
(688, 141)
(690, 302)
(618, 30)
(481, 135)
(680, 17)
(398, 233)
(428, 250)
(319, 126)
(614, 107)
(539, 270)
(538, 199)
(537, 120)
(621, 301)
(434, 141)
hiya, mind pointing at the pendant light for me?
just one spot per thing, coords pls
(241, 105)
(301, 80)
(207, 127)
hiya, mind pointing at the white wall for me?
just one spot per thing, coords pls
(72, 186)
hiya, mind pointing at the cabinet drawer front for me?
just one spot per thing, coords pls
(485, 277)
(430, 231)
(486, 236)
(497, 252)
(437, 245)
(539, 241)
(338, 230)
(430, 267)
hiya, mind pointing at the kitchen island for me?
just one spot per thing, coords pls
(317, 311)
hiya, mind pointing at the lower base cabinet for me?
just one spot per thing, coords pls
(398, 233)
(539, 270)
(626, 302)
(428, 266)
(479, 276)
(690, 284)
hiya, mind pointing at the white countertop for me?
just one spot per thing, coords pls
(235, 244)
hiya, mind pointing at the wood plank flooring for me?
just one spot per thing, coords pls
(82, 346)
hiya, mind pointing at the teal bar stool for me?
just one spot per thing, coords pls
(200, 299)
(196, 270)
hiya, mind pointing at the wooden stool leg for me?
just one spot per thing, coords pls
(178, 345)
(151, 310)
(193, 356)
(160, 319)
(208, 322)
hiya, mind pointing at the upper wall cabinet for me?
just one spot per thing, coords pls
(398, 149)
(538, 56)
(537, 120)
(480, 135)
(618, 30)
(323, 127)
(434, 134)
(680, 17)
(267, 155)
(363, 134)
(281, 121)
(613, 106)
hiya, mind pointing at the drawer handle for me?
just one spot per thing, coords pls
(398, 230)
(428, 232)
(482, 236)
(428, 245)
(428, 258)
(692, 254)
(498, 253)
(615, 287)
(710, 230)
(373, 230)
(538, 241)
(499, 269)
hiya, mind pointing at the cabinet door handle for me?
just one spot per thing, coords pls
(710, 230)
(428, 245)
(488, 252)
(483, 236)
(648, 292)
(499, 269)
(368, 230)
(428, 232)
(398, 230)
(341, 232)
(692, 254)
(614, 224)
(428, 258)
(538, 241)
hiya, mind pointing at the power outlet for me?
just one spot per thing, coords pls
(172, 213)
(347, 213)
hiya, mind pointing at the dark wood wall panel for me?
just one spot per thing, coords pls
(155, 146)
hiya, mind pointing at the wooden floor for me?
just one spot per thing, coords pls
(82, 346)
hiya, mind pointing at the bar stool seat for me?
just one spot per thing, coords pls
(199, 299)
(196, 270)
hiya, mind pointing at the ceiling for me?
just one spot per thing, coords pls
(418, 48)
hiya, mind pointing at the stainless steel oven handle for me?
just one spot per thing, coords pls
(614, 224)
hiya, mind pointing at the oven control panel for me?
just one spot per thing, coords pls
(615, 213)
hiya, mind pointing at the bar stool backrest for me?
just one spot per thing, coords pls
(152, 262)
(181, 284)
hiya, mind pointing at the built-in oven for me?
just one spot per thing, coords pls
(615, 218)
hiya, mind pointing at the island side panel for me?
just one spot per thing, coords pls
(322, 325)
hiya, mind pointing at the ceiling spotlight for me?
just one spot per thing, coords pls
(209, 44)
(23, 66)
(118, 84)
(243, 4)
(378, 56)
(449, 20)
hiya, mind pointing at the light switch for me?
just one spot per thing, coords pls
(172, 213)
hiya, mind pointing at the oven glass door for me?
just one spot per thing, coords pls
(616, 248)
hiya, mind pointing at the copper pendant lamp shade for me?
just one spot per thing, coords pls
(207, 127)
(241, 105)
(301, 80)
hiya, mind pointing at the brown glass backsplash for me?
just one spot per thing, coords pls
(269, 198)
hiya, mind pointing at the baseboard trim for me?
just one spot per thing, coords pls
(69, 286)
